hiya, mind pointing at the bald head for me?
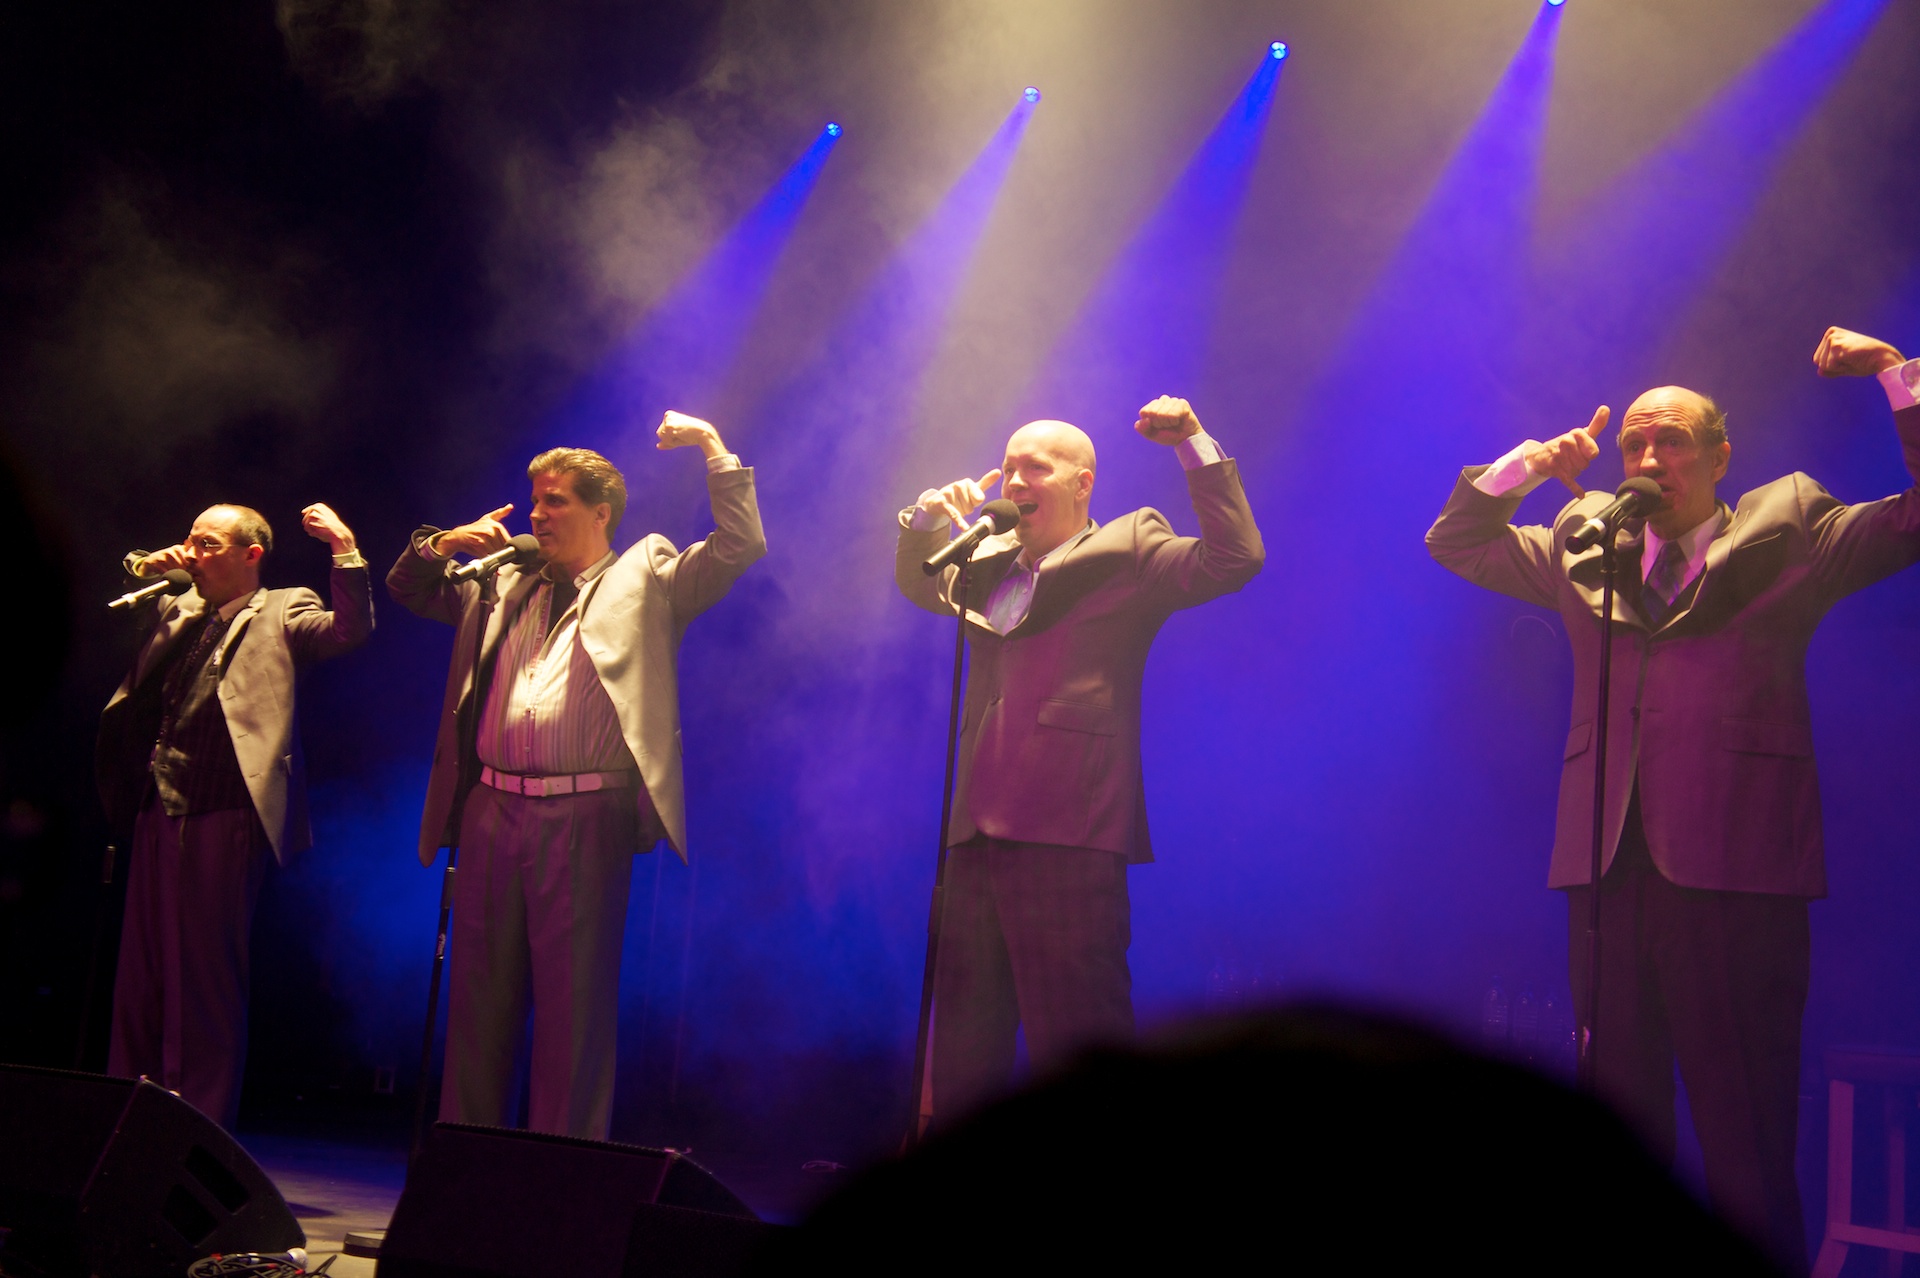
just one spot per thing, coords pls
(1703, 417)
(1048, 474)
(1677, 438)
(1061, 440)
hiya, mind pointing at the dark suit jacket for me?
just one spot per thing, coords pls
(1710, 711)
(632, 619)
(1050, 744)
(276, 635)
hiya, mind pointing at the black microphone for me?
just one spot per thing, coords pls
(174, 581)
(995, 518)
(1630, 500)
(518, 550)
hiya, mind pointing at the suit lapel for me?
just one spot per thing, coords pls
(1050, 571)
(512, 599)
(986, 573)
(1713, 573)
(165, 635)
(1584, 572)
(239, 624)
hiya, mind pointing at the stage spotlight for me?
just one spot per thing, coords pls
(1279, 50)
(833, 130)
(1032, 94)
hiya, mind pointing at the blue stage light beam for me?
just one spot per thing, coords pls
(1146, 325)
(1623, 280)
(1449, 299)
(683, 349)
(821, 444)
(889, 336)
(1418, 372)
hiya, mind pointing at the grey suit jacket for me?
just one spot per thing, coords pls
(1710, 711)
(271, 639)
(632, 620)
(1050, 742)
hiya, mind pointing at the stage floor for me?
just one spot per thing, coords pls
(335, 1187)
(349, 1183)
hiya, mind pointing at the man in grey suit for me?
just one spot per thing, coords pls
(577, 767)
(1049, 808)
(199, 752)
(1712, 844)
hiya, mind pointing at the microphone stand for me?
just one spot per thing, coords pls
(916, 1126)
(1588, 1060)
(467, 731)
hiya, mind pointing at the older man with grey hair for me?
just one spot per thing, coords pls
(1712, 822)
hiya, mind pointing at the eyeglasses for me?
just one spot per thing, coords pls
(209, 545)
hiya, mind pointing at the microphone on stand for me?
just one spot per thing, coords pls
(1632, 499)
(995, 518)
(518, 550)
(174, 581)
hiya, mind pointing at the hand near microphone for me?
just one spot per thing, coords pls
(959, 499)
(481, 537)
(1565, 457)
(157, 562)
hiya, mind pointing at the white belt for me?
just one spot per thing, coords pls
(546, 787)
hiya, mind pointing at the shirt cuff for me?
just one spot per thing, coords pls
(723, 463)
(1902, 384)
(915, 519)
(351, 559)
(1197, 450)
(132, 565)
(1509, 477)
(428, 551)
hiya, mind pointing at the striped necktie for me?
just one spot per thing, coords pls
(1664, 582)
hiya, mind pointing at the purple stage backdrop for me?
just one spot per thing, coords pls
(1430, 231)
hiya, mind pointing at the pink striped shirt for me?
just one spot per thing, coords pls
(547, 713)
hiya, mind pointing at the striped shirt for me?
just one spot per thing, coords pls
(547, 713)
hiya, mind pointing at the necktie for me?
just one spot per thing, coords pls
(1664, 582)
(563, 594)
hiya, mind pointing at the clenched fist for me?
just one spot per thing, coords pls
(1845, 353)
(322, 524)
(677, 430)
(1167, 420)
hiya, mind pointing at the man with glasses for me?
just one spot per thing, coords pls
(1712, 834)
(199, 752)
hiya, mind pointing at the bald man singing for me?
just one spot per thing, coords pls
(1712, 835)
(1049, 809)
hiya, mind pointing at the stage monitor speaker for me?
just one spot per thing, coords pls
(485, 1202)
(123, 1179)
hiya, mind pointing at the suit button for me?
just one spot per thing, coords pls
(1635, 712)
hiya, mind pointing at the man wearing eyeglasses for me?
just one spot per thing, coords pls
(199, 752)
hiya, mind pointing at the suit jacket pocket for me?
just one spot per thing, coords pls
(1757, 736)
(1578, 740)
(1076, 716)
